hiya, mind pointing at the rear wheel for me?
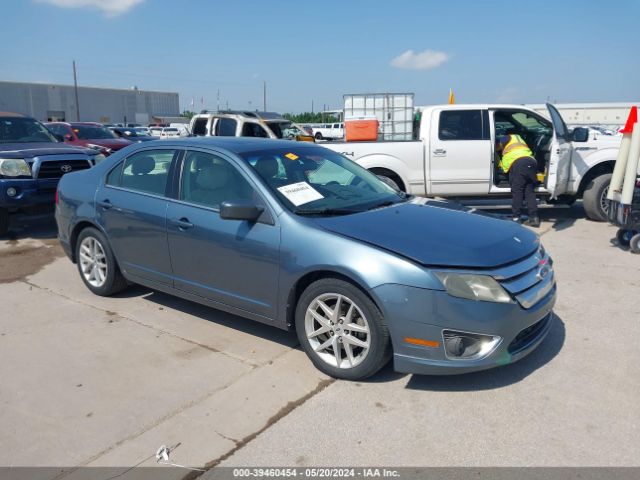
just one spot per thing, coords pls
(594, 198)
(318, 136)
(97, 265)
(634, 243)
(4, 222)
(341, 330)
(624, 237)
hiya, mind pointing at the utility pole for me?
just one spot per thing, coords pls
(264, 95)
(218, 99)
(75, 87)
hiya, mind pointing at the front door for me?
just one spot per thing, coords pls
(557, 181)
(459, 153)
(233, 262)
(131, 208)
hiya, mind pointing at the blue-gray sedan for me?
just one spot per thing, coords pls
(299, 237)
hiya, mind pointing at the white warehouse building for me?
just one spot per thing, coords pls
(49, 102)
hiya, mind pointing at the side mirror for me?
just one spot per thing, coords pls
(580, 134)
(240, 210)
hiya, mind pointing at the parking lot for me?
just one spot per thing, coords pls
(92, 381)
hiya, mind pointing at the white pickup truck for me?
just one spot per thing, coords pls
(453, 155)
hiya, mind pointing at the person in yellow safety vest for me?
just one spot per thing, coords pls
(517, 160)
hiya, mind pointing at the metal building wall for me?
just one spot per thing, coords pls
(42, 101)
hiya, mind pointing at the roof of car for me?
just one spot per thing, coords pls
(236, 144)
(11, 114)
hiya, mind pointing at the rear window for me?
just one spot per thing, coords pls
(460, 125)
(90, 132)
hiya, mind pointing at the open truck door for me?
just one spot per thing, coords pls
(559, 168)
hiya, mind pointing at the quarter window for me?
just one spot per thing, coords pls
(253, 130)
(200, 126)
(460, 125)
(113, 178)
(147, 171)
(209, 180)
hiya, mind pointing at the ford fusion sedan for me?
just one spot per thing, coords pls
(299, 237)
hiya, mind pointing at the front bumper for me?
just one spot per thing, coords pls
(30, 193)
(424, 314)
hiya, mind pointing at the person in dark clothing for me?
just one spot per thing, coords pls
(517, 160)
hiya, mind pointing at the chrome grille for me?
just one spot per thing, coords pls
(57, 168)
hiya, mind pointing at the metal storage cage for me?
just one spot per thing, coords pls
(394, 112)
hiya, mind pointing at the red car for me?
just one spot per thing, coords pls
(88, 134)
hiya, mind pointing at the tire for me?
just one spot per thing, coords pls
(623, 237)
(4, 222)
(318, 136)
(96, 264)
(362, 341)
(393, 183)
(594, 198)
(634, 244)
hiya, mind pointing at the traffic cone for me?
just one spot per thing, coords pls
(615, 187)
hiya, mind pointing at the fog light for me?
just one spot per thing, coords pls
(468, 346)
(11, 192)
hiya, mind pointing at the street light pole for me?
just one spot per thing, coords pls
(264, 95)
(75, 87)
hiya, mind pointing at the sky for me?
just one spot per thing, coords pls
(311, 53)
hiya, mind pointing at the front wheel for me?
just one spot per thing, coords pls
(594, 198)
(341, 330)
(624, 237)
(97, 265)
(634, 243)
(318, 136)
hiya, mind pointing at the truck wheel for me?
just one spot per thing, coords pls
(341, 330)
(634, 243)
(318, 136)
(4, 222)
(594, 198)
(97, 265)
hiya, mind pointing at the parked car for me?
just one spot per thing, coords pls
(32, 161)
(299, 237)
(247, 124)
(142, 131)
(328, 131)
(88, 134)
(131, 134)
(155, 131)
(170, 132)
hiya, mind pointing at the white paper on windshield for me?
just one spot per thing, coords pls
(300, 193)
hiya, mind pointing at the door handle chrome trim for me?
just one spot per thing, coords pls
(440, 151)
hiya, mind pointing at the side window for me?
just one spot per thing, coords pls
(253, 130)
(210, 180)
(460, 125)
(147, 171)
(113, 178)
(200, 126)
(55, 129)
(226, 127)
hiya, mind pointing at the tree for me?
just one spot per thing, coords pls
(308, 117)
(188, 114)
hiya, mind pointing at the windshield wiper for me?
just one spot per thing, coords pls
(326, 211)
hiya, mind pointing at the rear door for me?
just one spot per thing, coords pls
(132, 207)
(459, 152)
(559, 170)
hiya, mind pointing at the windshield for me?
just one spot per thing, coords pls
(286, 130)
(23, 130)
(318, 181)
(91, 132)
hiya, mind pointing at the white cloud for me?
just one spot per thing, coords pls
(426, 60)
(110, 8)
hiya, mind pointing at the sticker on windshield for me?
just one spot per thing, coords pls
(300, 193)
(291, 156)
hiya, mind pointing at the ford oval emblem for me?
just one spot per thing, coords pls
(542, 273)
(66, 168)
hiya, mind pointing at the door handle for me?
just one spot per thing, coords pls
(106, 204)
(183, 223)
(440, 151)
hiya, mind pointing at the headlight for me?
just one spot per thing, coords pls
(473, 287)
(14, 167)
(98, 158)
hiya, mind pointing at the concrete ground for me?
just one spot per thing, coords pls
(91, 381)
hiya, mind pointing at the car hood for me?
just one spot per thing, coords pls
(438, 233)
(30, 150)
(112, 143)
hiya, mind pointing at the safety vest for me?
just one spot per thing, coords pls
(516, 148)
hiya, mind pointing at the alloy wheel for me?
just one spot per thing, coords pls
(337, 330)
(93, 262)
